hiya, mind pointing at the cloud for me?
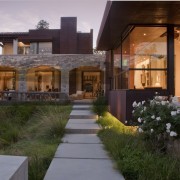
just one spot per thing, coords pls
(84, 26)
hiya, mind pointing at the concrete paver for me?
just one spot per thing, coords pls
(81, 151)
(82, 107)
(83, 128)
(81, 138)
(82, 169)
(77, 121)
(82, 114)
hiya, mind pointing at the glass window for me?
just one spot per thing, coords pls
(41, 48)
(177, 59)
(145, 57)
(126, 53)
(45, 48)
(124, 79)
(117, 68)
(147, 79)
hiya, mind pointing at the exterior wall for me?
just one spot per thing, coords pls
(85, 43)
(63, 63)
(68, 35)
(47, 35)
(8, 49)
(120, 101)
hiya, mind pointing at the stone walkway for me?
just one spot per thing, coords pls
(81, 156)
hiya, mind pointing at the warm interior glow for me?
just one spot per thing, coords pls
(43, 79)
(7, 80)
(177, 65)
(141, 61)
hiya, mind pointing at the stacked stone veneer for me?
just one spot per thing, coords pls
(65, 63)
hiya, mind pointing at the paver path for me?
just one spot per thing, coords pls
(81, 156)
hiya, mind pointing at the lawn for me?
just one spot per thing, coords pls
(133, 156)
(34, 131)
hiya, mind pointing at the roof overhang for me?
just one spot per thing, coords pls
(119, 14)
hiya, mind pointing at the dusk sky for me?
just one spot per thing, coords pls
(22, 15)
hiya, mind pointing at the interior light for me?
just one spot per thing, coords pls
(144, 34)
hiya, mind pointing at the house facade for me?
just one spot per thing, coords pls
(56, 60)
(142, 40)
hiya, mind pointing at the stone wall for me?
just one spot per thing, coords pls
(64, 63)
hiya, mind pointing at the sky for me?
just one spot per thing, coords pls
(22, 15)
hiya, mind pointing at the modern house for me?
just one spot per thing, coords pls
(56, 60)
(142, 40)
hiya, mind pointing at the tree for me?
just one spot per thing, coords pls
(42, 24)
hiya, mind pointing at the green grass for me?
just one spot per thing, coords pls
(39, 134)
(134, 160)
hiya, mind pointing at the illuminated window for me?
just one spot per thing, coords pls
(144, 58)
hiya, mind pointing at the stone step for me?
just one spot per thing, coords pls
(82, 151)
(82, 128)
(82, 121)
(81, 139)
(82, 114)
(82, 107)
(82, 169)
(83, 102)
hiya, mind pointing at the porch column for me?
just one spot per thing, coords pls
(22, 84)
(15, 46)
(65, 81)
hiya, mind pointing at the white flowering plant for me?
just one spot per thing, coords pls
(158, 119)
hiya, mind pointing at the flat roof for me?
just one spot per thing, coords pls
(119, 14)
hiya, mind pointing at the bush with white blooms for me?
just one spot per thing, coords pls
(158, 119)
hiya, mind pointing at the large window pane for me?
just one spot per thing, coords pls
(117, 68)
(149, 45)
(125, 78)
(45, 48)
(41, 48)
(126, 53)
(147, 79)
(177, 60)
(144, 59)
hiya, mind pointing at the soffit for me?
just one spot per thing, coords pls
(119, 14)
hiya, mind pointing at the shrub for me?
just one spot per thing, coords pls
(100, 106)
(158, 120)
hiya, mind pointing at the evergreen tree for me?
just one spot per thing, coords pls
(42, 24)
